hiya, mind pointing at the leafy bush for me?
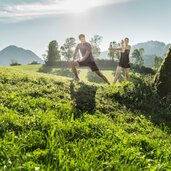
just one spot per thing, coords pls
(138, 95)
(34, 63)
(14, 63)
(142, 69)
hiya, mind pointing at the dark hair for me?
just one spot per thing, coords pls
(127, 38)
(81, 35)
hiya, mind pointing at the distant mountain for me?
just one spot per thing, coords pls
(22, 56)
(152, 49)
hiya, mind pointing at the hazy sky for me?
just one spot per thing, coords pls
(33, 24)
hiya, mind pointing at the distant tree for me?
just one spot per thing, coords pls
(114, 55)
(34, 63)
(53, 55)
(137, 55)
(67, 48)
(14, 63)
(95, 43)
(157, 61)
(44, 56)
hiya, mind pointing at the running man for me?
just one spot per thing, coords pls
(124, 59)
(87, 59)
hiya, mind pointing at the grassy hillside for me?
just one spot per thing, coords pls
(67, 74)
(50, 123)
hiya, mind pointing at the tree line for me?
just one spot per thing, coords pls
(55, 52)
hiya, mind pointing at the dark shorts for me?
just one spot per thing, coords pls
(125, 66)
(90, 64)
(124, 62)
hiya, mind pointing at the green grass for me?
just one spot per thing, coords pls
(49, 123)
(58, 72)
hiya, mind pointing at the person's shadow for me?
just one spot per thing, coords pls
(84, 97)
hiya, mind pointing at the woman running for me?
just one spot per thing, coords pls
(124, 59)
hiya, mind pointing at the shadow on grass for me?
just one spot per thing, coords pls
(65, 72)
(84, 97)
(138, 98)
(45, 69)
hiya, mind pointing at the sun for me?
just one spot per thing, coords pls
(77, 6)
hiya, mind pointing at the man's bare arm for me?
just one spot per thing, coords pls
(86, 56)
(75, 54)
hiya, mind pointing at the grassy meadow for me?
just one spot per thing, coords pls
(66, 73)
(49, 123)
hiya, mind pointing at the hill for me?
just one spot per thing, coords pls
(48, 123)
(20, 55)
(152, 49)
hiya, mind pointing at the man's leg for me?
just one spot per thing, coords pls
(73, 67)
(102, 76)
(117, 74)
(126, 74)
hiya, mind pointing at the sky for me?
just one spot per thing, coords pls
(32, 24)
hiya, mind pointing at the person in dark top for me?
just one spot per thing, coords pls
(124, 64)
(87, 59)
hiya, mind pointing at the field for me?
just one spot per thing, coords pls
(49, 123)
(66, 74)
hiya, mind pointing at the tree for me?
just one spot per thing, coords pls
(162, 80)
(95, 43)
(157, 61)
(53, 54)
(14, 63)
(67, 48)
(44, 56)
(137, 55)
(114, 55)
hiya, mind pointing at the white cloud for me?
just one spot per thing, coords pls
(23, 11)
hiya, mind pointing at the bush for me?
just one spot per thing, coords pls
(34, 63)
(14, 63)
(143, 69)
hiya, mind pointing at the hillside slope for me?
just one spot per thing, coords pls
(47, 123)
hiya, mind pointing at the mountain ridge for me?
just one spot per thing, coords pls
(152, 49)
(19, 54)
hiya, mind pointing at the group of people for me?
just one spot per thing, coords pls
(88, 60)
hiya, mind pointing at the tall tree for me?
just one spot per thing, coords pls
(157, 61)
(67, 48)
(53, 53)
(137, 55)
(96, 41)
(114, 55)
(162, 79)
